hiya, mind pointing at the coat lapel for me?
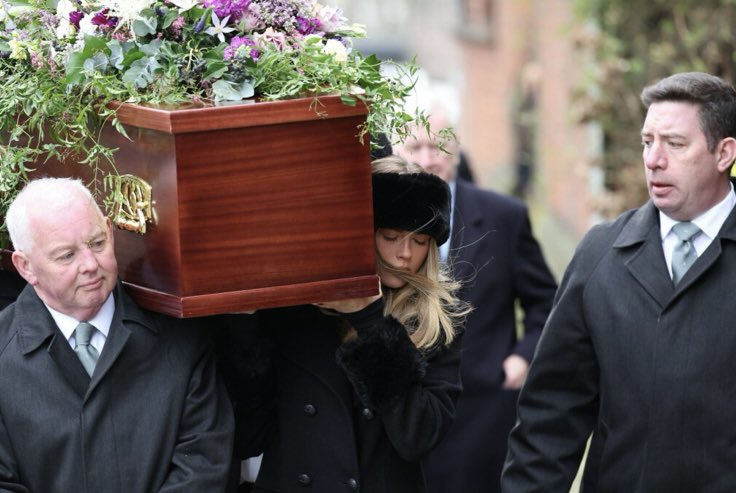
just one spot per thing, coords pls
(116, 340)
(711, 254)
(640, 243)
(467, 224)
(120, 333)
(36, 326)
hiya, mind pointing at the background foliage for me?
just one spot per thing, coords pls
(634, 43)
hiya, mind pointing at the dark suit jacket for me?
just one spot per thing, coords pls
(648, 366)
(154, 416)
(495, 255)
(11, 284)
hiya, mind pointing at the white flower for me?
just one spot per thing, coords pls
(63, 9)
(337, 50)
(65, 29)
(331, 18)
(358, 30)
(219, 27)
(17, 50)
(127, 10)
(86, 27)
(185, 5)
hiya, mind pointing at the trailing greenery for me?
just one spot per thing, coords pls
(63, 62)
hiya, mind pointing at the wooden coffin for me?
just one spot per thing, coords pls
(257, 205)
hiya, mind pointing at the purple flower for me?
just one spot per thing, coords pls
(102, 19)
(49, 19)
(232, 8)
(75, 17)
(199, 25)
(308, 26)
(241, 47)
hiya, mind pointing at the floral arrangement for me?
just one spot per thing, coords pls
(62, 63)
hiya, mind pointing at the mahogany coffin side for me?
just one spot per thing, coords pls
(258, 205)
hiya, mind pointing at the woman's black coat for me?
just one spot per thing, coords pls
(331, 416)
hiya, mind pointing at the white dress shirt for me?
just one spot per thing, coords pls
(445, 247)
(102, 321)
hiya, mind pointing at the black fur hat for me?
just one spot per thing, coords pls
(418, 202)
(380, 147)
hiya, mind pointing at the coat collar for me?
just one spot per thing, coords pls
(639, 227)
(641, 242)
(464, 204)
(36, 326)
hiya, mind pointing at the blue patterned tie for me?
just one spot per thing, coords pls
(86, 353)
(683, 254)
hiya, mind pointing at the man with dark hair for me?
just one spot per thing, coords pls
(639, 347)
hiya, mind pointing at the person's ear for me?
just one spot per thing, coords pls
(726, 154)
(24, 267)
(108, 224)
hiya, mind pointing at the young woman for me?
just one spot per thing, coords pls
(350, 395)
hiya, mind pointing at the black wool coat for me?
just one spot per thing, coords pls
(646, 366)
(337, 417)
(154, 417)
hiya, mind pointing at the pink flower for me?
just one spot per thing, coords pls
(271, 37)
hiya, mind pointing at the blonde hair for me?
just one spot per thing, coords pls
(427, 304)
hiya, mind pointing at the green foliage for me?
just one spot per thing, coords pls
(64, 62)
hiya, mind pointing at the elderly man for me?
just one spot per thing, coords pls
(97, 394)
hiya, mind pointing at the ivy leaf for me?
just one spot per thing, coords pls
(141, 72)
(145, 24)
(131, 56)
(171, 50)
(77, 62)
(151, 49)
(215, 70)
(97, 63)
(230, 91)
(93, 44)
(75, 68)
(169, 18)
(117, 54)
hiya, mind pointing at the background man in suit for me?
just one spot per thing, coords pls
(493, 252)
(639, 349)
(133, 406)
